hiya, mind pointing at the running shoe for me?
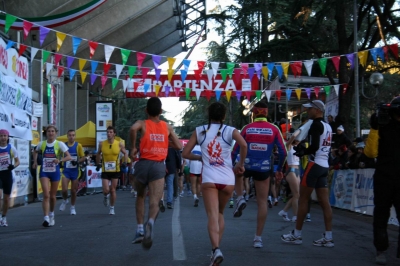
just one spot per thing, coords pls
(246, 198)
(323, 242)
(46, 222)
(169, 205)
(3, 222)
(308, 218)
(231, 203)
(161, 205)
(276, 202)
(257, 243)
(72, 210)
(380, 258)
(63, 205)
(294, 219)
(52, 221)
(240, 206)
(112, 211)
(196, 202)
(216, 257)
(189, 193)
(269, 204)
(148, 235)
(138, 237)
(290, 238)
(182, 194)
(284, 215)
(106, 200)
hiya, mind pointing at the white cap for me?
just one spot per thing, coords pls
(341, 128)
(315, 104)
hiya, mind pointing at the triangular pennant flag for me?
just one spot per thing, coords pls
(224, 73)
(177, 91)
(278, 94)
(158, 73)
(229, 94)
(186, 64)
(131, 70)
(118, 70)
(125, 85)
(350, 58)
(156, 60)
(268, 95)
(197, 74)
(157, 89)
(75, 44)
(108, 50)
(27, 28)
(146, 87)
(316, 91)
(93, 47)
(140, 58)
(57, 58)
(103, 81)
(200, 65)
(238, 94)
(83, 76)
(345, 88)
(322, 65)
(60, 70)
(210, 74)
(214, 67)
(251, 71)
(71, 74)
(171, 62)
(145, 70)
(363, 56)
(106, 68)
(381, 53)
(308, 92)
(296, 68)
(82, 63)
(183, 75)
(244, 67)
(218, 94)
(10, 19)
(374, 54)
(327, 90)
(336, 61)
(43, 31)
(308, 65)
(265, 72)
(280, 70)
(237, 74)
(298, 93)
(230, 67)
(167, 89)
(258, 95)
(125, 55)
(248, 95)
(288, 94)
(45, 55)
(60, 39)
(92, 78)
(336, 87)
(114, 82)
(187, 93)
(208, 95)
(170, 74)
(49, 66)
(94, 65)
(33, 52)
(22, 48)
(270, 67)
(257, 68)
(394, 48)
(198, 93)
(70, 60)
(285, 66)
(9, 44)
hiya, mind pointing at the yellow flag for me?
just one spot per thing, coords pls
(170, 74)
(298, 93)
(228, 95)
(265, 72)
(157, 87)
(363, 56)
(285, 66)
(171, 62)
(82, 63)
(83, 76)
(60, 39)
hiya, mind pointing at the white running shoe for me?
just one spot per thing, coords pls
(52, 221)
(294, 219)
(112, 212)
(216, 257)
(290, 238)
(257, 243)
(240, 206)
(308, 218)
(63, 205)
(46, 222)
(72, 210)
(3, 222)
(284, 215)
(323, 242)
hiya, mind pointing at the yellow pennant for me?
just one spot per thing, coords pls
(60, 39)
(157, 87)
(265, 72)
(171, 62)
(170, 74)
(228, 95)
(83, 76)
(82, 63)
(363, 56)
(285, 66)
(298, 93)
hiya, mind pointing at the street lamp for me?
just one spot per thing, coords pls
(376, 79)
(246, 103)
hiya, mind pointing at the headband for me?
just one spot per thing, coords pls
(258, 111)
(4, 132)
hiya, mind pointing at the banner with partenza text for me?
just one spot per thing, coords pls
(14, 94)
(16, 122)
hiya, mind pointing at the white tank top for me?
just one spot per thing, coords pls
(291, 158)
(322, 154)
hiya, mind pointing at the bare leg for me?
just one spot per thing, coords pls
(64, 183)
(262, 188)
(239, 185)
(305, 193)
(141, 193)
(106, 186)
(74, 188)
(156, 190)
(53, 193)
(113, 191)
(45, 182)
(323, 199)
(6, 204)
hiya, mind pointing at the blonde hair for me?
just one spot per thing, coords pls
(51, 126)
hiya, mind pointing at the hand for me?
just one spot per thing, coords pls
(34, 165)
(74, 163)
(238, 169)
(133, 153)
(373, 121)
(300, 150)
(11, 167)
(98, 167)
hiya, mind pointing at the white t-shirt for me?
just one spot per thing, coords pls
(196, 166)
(291, 158)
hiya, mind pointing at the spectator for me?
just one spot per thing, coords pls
(331, 121)
(364, 161)
(284, 127)
(341, 138)
(353, 159)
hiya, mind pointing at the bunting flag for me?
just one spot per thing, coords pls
(124, 56)
(158, 73)
(106, 68)
(83, 76)
(374, 54)
(140, 58)
(198, 93)
(33, 52)
(280, 70)
(170, 74)
(27, 26)
(298, 93)
(248, 95)
(265, 72)
(186, 64)
(70, 60)
(218, 94)
(214, 67)
(183, 75)
(114, 82)
(93, 47)
(167, 90)
(22, 48)
(350, 58)
(258, 94)
(94, 65)
(336, 61)
(395, 50)
(42, 34)
(224, 73)
(157, 89)
(75, 44)
(82, 63)
(171, 62)
(177, 91)
(145, 70)
(327, 90)
(197, 74)
(60, 39)
(49, 66)
(268, 94)
(316, 91)
(244, 67)
(285, 66)
(381, 53)
(229, 94)
(71, 73)
(108, 50)
(238, 94)
(10, 19)
(231, 67)
(208, 95)
(385, 51)
(308, 92)
(363, 56)
(288, 94)
(336, 87)
(92, 78)
(131, 70)
(210, 74)
(322, 64)
(118, 70)
(9, 44)
(103, 81)
(45, 55)
(201, 64)
(308, 65)
(270, 67)
(257, 69)
(146, 87)
(187, 92)
(251, 71)
(296, 68)
(60, 70)
(278, 94)
(125, 85)
(57, 58)
(156, 60)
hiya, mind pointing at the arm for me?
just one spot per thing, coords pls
(66, 158)
(98, 155)
(239, 167)
(123, 150)
(176, 144)
(137, 126)
(280, 143)
(81, 154)
(35, 155)
(187, 151)
(16, 162)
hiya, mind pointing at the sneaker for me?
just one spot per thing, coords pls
(231, 204)
(257, 243)
(169, 205)
(269, 204)
(161, 206)
(138, 237)
(189, 193)
(284, 215)
(182, 194)
(246, 198)
(106, 200)
(294, 219)
(308, 218)
(148, 235)
(196, 202)
(52, 221)
(380, 258)
(216, 257)
(3, 222)
(72, 210)
(290, 238)
(63, 205)
(323, 242)
(276, 202)
(46, 222)
(111, 212)
(240, 206)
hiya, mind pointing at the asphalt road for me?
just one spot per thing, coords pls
(93, 237)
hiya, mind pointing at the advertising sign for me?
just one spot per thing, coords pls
(104, 115)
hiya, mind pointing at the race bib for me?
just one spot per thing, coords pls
(69, 164)
(110, 166)
(4, 161)
(48, 165)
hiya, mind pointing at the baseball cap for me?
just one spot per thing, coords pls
(315, 104)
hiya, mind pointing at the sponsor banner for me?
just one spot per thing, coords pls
(23, 150)
(34, 123)
(15, 95)
(35, 137)
(363, 192)
(37, 109)
(342, 189)
(12, 65)
(15, 121)
(93, 178)
(22, 184)
(104, 115)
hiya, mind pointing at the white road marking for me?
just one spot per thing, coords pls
(177, 236)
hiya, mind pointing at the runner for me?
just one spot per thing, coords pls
(195, 169)
(150, 169)
(71, 171)
(52, 151)
(215, 140)
(109, 152)
(7, 154)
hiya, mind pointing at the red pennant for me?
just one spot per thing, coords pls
(208, 95)
(345, 88)
(200, 65)
(336, 61)
(237, 73)
(27, 28)
(135, 86)
(197, 74)
(248, 95)
(93, 46)
(386, 52)
(316, 91)
(395, 50)
(57, 58)
(60, 70)
(103, 81)
(278, 94)
(296, 68)
(140, 57)
(145, 70)
(22, 48)
(177, 91)
(106, 68)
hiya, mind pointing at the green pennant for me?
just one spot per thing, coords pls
(45, 55)
(125, 55)
(131, 70)
(327, 90)
(224, 72)
(10, 19)
(187, 92)
(114, 82)
(230, 67)
(322, 64)
(258, 94)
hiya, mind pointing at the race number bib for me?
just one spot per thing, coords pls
(110, 166)
(4, 161)
(69, 164)
(48, 165)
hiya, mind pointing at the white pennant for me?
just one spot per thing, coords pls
(49, 66)
(108, 50)
(336, 87)
(209, 75)
(118, 69)
(214, 66)
(124, 84)
(268, 95)
(198, 93)
(33, 52)
(308, 65)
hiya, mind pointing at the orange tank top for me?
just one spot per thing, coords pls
(154, 142)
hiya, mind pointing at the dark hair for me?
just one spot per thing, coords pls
(216, 112)
(111, 128)
(154, 106)
(71, 130)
